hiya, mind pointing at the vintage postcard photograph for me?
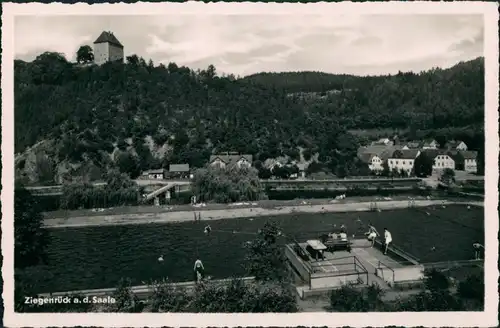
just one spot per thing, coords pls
(260, 164)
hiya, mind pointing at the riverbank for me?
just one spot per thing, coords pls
(250, 210)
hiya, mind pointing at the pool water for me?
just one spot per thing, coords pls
(97, 257)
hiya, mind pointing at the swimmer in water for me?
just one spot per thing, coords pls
(477, 250)
(207, 230)
(199, 270)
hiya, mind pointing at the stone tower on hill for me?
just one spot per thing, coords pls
(107, 48)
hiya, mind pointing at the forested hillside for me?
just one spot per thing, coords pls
(79, 120)
(430, 100)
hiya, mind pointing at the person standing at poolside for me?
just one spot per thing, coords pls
(388, 239)
(477, 250)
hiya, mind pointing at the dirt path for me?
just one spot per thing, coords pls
(185, 216)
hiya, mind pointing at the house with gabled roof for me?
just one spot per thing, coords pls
(442, 159)
(403, 160)
(155, 174)
(107, 48)
(375, 156)
(465, 160)
(383, 142)
(419, 144)
(456, 145)
(231, 160)
(178, 171)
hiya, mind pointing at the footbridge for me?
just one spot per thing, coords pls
(166, 189)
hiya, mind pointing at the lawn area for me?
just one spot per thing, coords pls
(97, 257)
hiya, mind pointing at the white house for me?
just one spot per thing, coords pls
(375, 156)
(157, 174)
(470, 161)
(456, 145)
(430, 144)
(403, 160)
(383, 142)
(443, 161)
(230, 160)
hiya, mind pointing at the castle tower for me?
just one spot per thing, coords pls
(107, 48)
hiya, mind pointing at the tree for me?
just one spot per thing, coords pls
(167, 298)
(133, 60)
(436, 295)
(235, 297)
(128, 163)
(224, 185)
(265, 259)
(448, 176)
(351, 299)
(423, 165)
(125, 299)
(85, 54)
(45, 169)
(386, 171)
(31, 240)
(472, 288)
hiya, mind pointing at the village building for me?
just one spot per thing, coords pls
(442, 159)
(107, 48)
(302, 170)
(470, 161)
(403, 160)
(383, 142)
(231, 160)
(178, 171)
(426, 144)
(456, 145)
(156, 174)
(465, 160)
(376, 155)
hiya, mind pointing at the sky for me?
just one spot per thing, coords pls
(248, 44)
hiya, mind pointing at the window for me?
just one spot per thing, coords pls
(404, 163)
(397, 162)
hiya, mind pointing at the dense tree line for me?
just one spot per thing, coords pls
(227, 185)
(438, 98)
(119, 190)
(138, 115)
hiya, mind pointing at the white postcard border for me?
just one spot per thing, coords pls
(489, 317)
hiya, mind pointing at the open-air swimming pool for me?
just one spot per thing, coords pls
(97, 257)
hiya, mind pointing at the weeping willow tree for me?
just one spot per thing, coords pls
(226, 185)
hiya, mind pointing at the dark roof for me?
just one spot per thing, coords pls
(365, 157)
(453, 144)
(469, 154)
(230, 159)
(108, 37)
(432, 153)
(406, 153)
(155, 171)
(384, 152)
(179, 168)
(414, 144)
